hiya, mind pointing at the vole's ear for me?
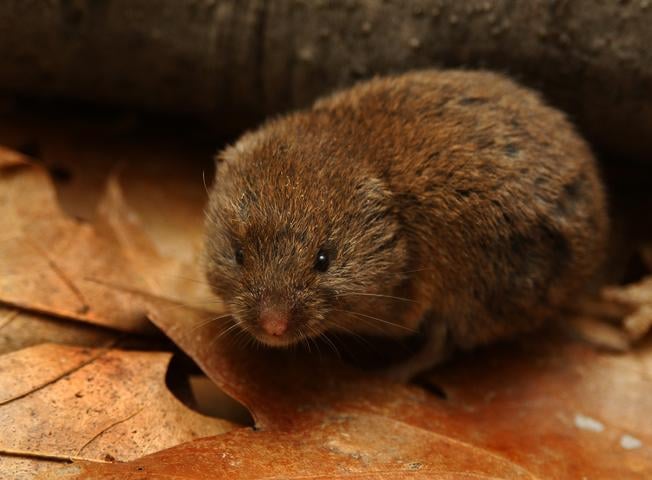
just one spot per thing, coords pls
(373, 191)
(220, 159)
(245, 144)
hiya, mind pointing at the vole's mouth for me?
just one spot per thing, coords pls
(275, 328)
(287, 339)
(276, 341)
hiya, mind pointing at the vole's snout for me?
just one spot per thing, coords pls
(274, 320)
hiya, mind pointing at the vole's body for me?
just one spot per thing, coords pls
(455, 201)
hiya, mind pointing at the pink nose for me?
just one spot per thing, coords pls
(273, 321)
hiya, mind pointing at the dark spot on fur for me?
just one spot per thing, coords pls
(487, 169)
(388, 244)
(462, 193)
(559, 250)
(441, 104)
(508, 219)
(328, 293)
(532, 261)
(484, 142)
(472, 101)
(571, 195)
(410, 200)
(511, 150)
(572, 190)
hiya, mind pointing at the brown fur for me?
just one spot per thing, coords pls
(458, 192)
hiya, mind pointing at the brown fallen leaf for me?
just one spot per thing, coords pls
(53, 264)
(168, 277)
(20, 329)
(340, 446)
(541, 407)
(50, 263)
(59, 402)
(163, 175)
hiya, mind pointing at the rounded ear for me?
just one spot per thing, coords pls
(221, 159)
(232, 153)
(374, 191)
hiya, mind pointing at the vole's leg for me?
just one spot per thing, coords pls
(434, 351)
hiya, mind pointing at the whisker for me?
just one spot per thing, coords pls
(375, 295)
(177, 305)
(418, 270)
(203, 179)
(304, 339)
(332, 345)
(188, 279)
(354, 334)
(377, 319)
(312, 338)
(225, 332)
(208, 322)
(242, 338)
(316, 343)
(202, 281)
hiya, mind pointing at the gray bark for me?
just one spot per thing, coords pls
(237, 61)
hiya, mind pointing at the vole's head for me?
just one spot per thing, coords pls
(299, 242)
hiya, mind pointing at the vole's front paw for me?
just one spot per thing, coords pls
(637, 298)
(616, 319)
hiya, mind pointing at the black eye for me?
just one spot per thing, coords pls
(322, 261)
(239, 256)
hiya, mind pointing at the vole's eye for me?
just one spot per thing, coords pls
(322, 261)
(239, 256)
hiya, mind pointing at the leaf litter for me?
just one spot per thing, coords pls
(509, 410)
(61, 402)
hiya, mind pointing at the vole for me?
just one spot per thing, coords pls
(452, 202)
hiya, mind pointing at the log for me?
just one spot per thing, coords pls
(237, 61)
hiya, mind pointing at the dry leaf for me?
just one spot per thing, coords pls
(20, 329)
(52, 264)
(104, 405)
(163, 174)
(341, 446)
(542, 407)
(167, 276)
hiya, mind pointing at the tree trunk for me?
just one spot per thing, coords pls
(239, 60)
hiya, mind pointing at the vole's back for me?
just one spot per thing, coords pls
(500, 197)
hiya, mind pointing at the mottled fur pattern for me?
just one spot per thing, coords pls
(454, 198)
